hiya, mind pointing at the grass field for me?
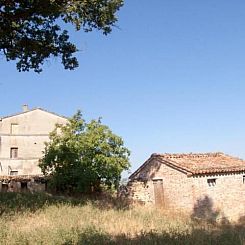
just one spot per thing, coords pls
(43, 219)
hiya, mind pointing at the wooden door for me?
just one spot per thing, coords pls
(158, 192)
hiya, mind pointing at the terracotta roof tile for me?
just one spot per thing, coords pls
(198, 163)
(203, 163)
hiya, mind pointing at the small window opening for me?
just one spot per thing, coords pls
(13, 152)
(243, 179)
(24, 185)
(13, 172)
(211, 182)
(4, 187)
(14, 128)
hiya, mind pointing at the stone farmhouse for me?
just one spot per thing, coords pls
(210, 185)
(22, 138)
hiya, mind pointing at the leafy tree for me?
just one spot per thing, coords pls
(84, 156)
(32, 31)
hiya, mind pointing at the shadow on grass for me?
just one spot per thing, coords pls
(197, 236)
(19, 202)
(12, 202)
(225, 234)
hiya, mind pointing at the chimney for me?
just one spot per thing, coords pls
(25, 108)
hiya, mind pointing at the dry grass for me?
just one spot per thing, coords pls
(40, 219)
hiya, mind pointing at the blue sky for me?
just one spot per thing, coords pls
(170, 79)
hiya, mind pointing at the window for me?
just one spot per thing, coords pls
(14, 128)
(4, 187)
(243, 179)
(23, 186)
(13, 152)
(13, 172)
(211, 182)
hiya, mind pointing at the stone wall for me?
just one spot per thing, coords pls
(140, 192)
(225, 197)
(22, 184)
(177, 187)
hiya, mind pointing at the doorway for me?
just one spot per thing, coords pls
(158, 192)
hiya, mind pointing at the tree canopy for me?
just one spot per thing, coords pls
(84, 156)
(32, 31)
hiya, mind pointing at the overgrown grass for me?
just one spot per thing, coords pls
(43, 219)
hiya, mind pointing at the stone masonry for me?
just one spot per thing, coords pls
(210, 185)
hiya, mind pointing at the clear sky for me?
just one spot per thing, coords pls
(170, 79)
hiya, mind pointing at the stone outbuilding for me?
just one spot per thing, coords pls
(209, 185)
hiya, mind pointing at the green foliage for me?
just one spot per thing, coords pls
(32, 31)
(84, 156)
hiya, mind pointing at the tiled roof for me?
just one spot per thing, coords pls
(201, 163)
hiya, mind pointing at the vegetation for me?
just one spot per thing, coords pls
(32, 31)
(43, 219)
(84, 157)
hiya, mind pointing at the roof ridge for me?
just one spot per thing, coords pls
(189, 155)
